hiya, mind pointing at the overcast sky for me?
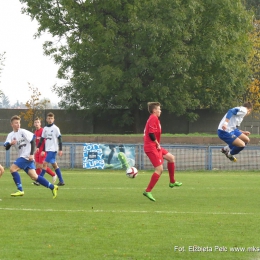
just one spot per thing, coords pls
(24, 59)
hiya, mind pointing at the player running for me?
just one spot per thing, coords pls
(24, 143)
(40, 156)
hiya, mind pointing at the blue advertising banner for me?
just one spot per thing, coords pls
(108, 156)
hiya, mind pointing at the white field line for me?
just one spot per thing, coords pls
(128, 211)
(141, 189)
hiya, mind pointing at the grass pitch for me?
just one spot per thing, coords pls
(103, 215)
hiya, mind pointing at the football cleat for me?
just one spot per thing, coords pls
(55, 191)
(231, 158)
(149, 195)
(224, 151)
(17, 193)
(175, 184)
(61, 184)
(36, 183)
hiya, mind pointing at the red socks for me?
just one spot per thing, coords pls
(50, 172)
(171, 168)
(155, 177)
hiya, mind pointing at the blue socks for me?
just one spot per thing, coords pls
(41, 180)
(58, 172)
(236, 150)
(17, 180)
(45, 183)
(42, 172)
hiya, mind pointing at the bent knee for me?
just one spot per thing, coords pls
(159, 170)
(34, 178)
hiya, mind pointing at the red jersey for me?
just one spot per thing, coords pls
(38, 135)
(153, 125)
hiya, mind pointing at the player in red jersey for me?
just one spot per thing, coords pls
(156, 154)
(39, 159)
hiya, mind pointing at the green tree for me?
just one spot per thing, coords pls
(253, 5)
(34, 106)
(187, 54)
(253, 90)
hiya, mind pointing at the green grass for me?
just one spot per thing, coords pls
(103, 215)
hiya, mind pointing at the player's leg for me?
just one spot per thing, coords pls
(2, 169)
(59, 174)
(244, 138)
(156, 159)
(17, 178)
(38, 168)
(46, 168)
(50, 172)
(239, 143)
(51, 158)
(37, 163)
(229, 139)
(171, 168)
(41, 161)
(38, 178)
(53, 174)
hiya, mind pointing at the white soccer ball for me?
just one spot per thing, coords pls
(131, 172)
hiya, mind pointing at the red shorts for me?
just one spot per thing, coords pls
(38, 158)
(156, 156)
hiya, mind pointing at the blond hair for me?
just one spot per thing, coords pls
(15, 118)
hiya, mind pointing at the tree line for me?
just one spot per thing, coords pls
(187, 54)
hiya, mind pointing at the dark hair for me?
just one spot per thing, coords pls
(248, 105)
(152, 106)
(50, 114)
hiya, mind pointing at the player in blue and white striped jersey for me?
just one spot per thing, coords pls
(228, 131)
(24, 143)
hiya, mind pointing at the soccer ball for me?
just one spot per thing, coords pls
(131, 172)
